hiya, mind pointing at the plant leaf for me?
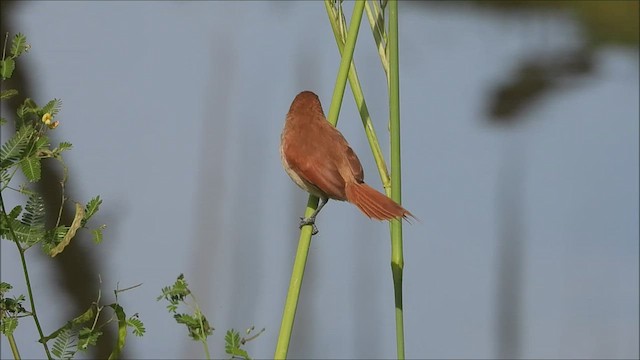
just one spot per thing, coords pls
(85, 317)
(41, 143)
(9, 93)
(52, 107)
(232, 344)
(31, 168)
(64, 146)
(19, 45)
(34, 211)
(28, 107)
(8, 324)
(24, 234)
(97, 235)
(92, 207)
(65, 347)
(13, 214)
(33, 219)
(136, 325)
(6, 68)
(13, 148)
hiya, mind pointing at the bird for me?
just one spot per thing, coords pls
(319, 160)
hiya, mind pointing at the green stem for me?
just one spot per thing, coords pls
(376, 21)
(335, 19)
(397, 261)
(295, 284)
(203, 338)
(14, 347)
(345, 63)
(26, 277)
(297, 274)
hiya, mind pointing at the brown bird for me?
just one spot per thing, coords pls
(320, 161)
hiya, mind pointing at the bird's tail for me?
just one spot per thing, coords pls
(374, 204)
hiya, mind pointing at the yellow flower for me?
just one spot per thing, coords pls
(46, 118)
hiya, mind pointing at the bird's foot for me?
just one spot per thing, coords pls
(309, 221)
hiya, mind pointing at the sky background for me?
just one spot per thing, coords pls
(175, 111)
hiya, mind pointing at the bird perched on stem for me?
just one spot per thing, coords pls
(319, 160)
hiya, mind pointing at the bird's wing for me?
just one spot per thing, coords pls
(317, 171)
(354, 164)
(317, 156)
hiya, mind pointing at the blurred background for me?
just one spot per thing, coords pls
(520, 128)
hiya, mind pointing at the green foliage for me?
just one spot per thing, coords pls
(88, 337)
(6, 68)
(33, 215)
(197, 325)
(97, 235)
(175, 293)
(13, 148)
(137, 327)
(31, 168)
(84, 331)
(65, 346)
(25, 225)
(28, 107)
(54, 237)
(7, 64)
(7, 94)
(8, 325)
(33, 220)
(11, 309)
(52, 107)
(19, 45)
(92, 207)
(233, 345)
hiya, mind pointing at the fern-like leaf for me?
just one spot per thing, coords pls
(97, 235)
(136, 325)
(5, 177)
(88, 337)
(52, 107)
(34, 211)
(33, 219)
(13, 214)
(7, 94)
(232, 345)
(64, 146)
(41, 144)
(23, 232)
(7, 222)
(13, 148)
(54, 237)
(6, 68)
(65, 345)
(31, 168)
(19, 45)
(8, 325)
(28, 107)
(92, 207)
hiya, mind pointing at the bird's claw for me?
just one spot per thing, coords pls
(309, 221)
